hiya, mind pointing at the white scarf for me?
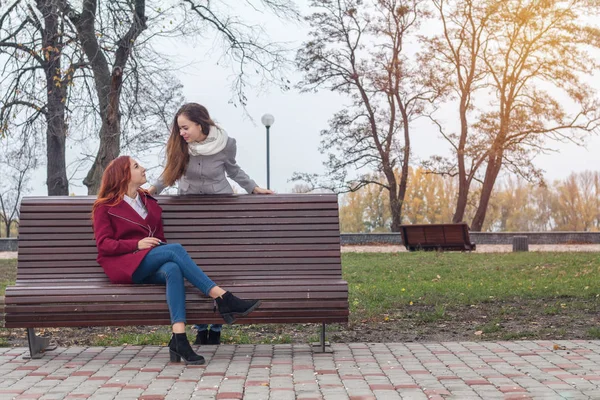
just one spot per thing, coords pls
(214, 143)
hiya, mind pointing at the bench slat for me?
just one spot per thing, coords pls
(187, 229)
(196, 201)
(258, 284)
(321, 236)
(162, 306)
(116, 298)
(187, 222)
(195, 215)
(157, 320)
(205, 241)
(205, 249)
(85, 208)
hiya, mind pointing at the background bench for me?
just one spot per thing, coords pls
(283, 249)
(436, 237)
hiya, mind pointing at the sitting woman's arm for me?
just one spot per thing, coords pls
(157, 186)
(106, 243)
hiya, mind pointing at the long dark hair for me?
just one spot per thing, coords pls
(177, 148)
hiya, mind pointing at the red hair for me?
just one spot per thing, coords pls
(115, 182)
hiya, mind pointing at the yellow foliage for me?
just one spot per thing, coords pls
(572, 204)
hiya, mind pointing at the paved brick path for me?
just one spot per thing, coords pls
(466, 370)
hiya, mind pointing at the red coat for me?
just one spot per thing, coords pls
(118, 229)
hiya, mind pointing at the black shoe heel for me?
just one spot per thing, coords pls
(229, 318)
(174, 356)
(232, 307)
(179, 348)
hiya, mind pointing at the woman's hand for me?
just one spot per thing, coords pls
(259, 190)
(148, 243)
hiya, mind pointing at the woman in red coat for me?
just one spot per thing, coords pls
(132, 249)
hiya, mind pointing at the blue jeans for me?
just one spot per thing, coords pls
(213, 327)
(168, 265)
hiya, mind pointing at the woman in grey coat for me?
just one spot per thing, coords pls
(200, 157)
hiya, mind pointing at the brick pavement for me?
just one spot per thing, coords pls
(452, 370)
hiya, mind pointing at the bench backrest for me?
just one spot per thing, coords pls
(420, 235)
(232, 237)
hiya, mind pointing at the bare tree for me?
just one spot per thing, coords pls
(17, 159)
(37, 77)
(538, 66)
(112, 49)
(358, 49)
(301, 188)
(456, 53)
(107, 73)
(245, 47)
(123, 76)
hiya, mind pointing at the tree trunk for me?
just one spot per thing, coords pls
(491, 173)
(463, 186)
(56, 129)
(110, 135)
(405, 164)
(396, 210)
(395, 203)
(57, 182)
(108, 85)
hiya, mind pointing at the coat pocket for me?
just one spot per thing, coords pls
(184, 186)
(222, 187)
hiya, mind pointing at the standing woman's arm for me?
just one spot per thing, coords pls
(235, 172)
(157, 186)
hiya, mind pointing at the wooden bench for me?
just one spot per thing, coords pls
(436, 237)
(283, 249)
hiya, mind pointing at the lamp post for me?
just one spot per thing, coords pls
(268, 120)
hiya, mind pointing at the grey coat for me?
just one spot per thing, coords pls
(206, 174)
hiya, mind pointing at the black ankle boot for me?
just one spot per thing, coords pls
(231, 307)
(179, 348)
(214, 337)
(202, 337)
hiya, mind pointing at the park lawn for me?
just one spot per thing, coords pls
(418, 291)
(8, 274)
(381, 283)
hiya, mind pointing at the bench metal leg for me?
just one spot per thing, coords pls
(322, 346)
(38, 345)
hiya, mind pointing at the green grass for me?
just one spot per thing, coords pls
(490, 327)
(160, 337)
(231, 334)
(427, 316)
(8, 274)
(382, 282)
(428, 287)
(594, 332)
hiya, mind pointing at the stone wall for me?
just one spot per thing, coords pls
(9, 244)
(483, 238)
(476, 237)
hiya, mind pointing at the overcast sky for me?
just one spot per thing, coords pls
(298, 120)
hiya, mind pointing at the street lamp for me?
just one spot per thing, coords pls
(268, 120)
